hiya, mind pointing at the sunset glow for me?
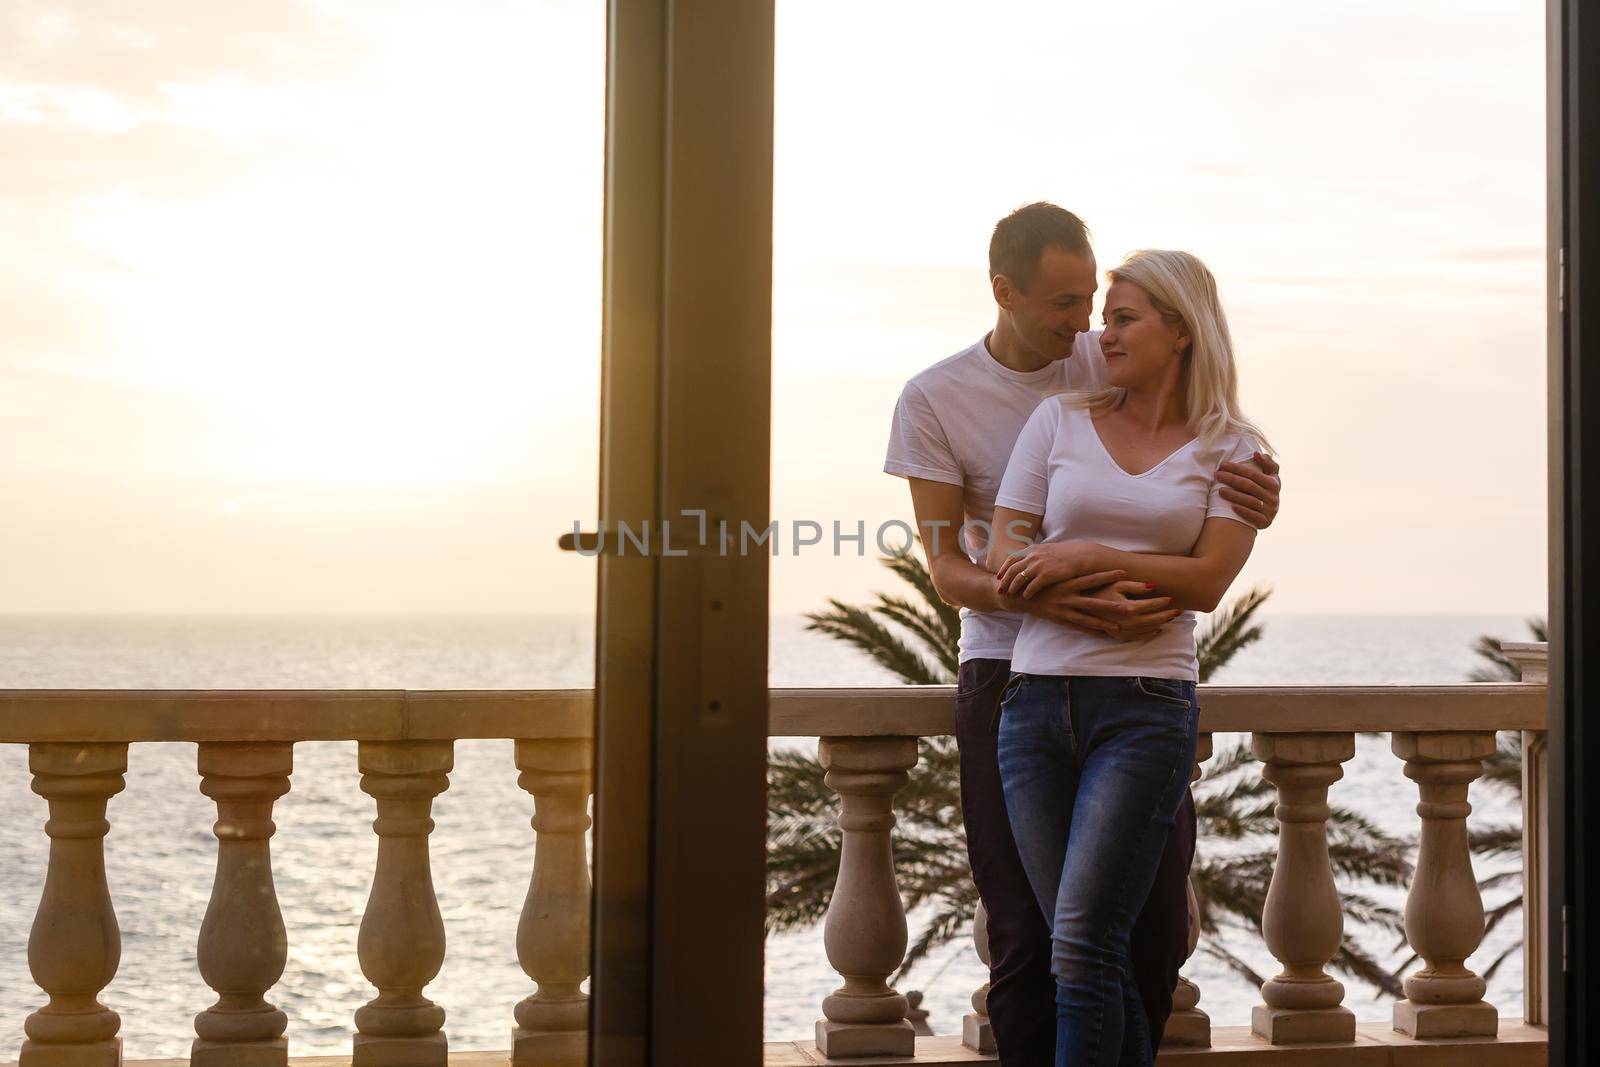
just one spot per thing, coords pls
(301, 307)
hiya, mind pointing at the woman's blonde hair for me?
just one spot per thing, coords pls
(1183, 291)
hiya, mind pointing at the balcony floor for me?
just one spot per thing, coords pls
(1376, 1045)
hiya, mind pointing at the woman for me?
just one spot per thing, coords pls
(1097, 736)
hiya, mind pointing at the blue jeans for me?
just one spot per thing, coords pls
(1093, 771)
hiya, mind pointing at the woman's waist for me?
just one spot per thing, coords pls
(1045, 647)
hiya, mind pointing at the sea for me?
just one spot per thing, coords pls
(160, 851)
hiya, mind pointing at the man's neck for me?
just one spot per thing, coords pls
(1008, 351)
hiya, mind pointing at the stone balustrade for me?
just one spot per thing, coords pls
(78, 746)
(1303, 922)
(243, 947)
(1188, 1026)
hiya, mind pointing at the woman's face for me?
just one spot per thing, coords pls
(1142, 349)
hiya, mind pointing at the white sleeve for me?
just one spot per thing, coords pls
(1027, 477)
(1086, 368)
(1216, 506)
(918, 447)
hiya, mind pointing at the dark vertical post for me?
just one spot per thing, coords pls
(1574, 381)
(681, 733)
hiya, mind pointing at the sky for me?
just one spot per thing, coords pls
(300, 308)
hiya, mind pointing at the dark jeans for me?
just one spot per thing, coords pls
(1093, 771)
(1022, 1007)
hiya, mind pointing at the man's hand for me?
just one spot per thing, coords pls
(1252, 490)
(1119, 609)
(1037, 566)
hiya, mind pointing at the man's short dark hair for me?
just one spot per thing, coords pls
(1021, 237)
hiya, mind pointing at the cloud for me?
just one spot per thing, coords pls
(135, 51)
(1510, 254)
(54, 163)
(45, 320)
(98, 120)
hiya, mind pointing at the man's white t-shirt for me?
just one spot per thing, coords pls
(956, 423)
(1060, 469)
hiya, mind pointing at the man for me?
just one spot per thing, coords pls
(954, 428)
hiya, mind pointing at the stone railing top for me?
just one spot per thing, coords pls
(886, 711)
(1532, 658)
(928, 710)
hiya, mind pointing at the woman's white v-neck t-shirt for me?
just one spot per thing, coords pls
(1060, 469)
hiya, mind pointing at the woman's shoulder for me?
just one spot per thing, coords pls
(1066, 403)
(1232, 446)
(1065, 413)
(1049, 408)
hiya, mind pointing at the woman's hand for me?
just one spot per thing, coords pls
(1119, 609)
(1037, 566)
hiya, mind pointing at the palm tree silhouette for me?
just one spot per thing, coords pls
(914, 635)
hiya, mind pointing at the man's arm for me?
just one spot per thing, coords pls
(1196, 581)
(958, 580)
(962, 582)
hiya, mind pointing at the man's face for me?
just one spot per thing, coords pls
(1054, 309)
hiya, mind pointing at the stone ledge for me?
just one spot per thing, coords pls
(883, 711)
(924, 710)
(1376, 1045)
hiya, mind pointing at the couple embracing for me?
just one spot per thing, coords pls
(1117, 488)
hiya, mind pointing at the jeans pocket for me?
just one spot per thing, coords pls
(1168, 691)
(994, 721)
(975, 675)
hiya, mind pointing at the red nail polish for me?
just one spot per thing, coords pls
(1149, 585)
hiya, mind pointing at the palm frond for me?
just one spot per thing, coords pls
(948, 923)
(1238, 966)
(1501, 912)
(917, 638)
(857, 627)
(1229, 631)
(1498, 666)
(1502, 878)
(1353, 960)
(909, 568)
(1235, 758)
(1499, 839)
(1505, 954)
(1502, 771)
(926, 627)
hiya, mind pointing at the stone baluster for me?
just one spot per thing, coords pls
(1535, 877)
(401, 943)
(242, 946)
(865, 933)
(1532, 659)
(553, 935)
(1444, 911)
(976, 1033)
(75, 946)
(1189, 1026)
(1303, 921)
